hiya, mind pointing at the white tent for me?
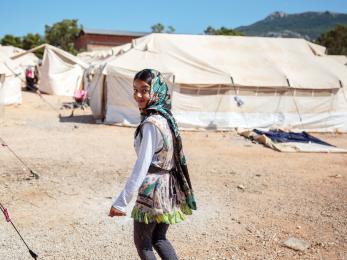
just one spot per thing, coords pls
(61, 73)
(339, 58)
(100, 56)
(10, 82)
(223, 82)
(94, 77)
(23, 61)
(13, 73)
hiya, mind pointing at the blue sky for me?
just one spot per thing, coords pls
(19, 17)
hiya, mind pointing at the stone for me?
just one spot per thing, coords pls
(336, 176)
(241, 187)
(296, 244)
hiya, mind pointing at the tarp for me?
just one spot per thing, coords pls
(61, 73)
(289, 142)
(279, 136)
(282, 83)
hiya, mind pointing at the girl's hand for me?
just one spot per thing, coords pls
(116, 212)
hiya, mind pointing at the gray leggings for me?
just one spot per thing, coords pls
(147, 236)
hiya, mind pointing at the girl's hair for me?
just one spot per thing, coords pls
(145, 75)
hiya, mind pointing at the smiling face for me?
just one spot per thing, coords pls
(141, 93)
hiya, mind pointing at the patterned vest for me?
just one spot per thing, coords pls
(164, 157)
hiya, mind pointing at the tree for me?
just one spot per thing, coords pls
(335, 40)
(11, 40)
(63, 34)
(157, 28)
(160, 28)
(30, 41)
(170, 29)
(222, 31)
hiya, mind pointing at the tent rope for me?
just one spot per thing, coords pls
(47, 103)
(8, 219)
(33, 173)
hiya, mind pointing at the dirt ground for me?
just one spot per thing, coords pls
(250, 198)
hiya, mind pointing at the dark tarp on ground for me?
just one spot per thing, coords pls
(279, 136)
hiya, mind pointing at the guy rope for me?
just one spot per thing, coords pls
(8, 219)
(33, 173)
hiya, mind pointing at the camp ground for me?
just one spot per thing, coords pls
(59, 173)
(250, 198)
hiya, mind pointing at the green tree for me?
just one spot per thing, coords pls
(11, 40)
(63, 34)
(335, 40)
(170, 29)
(30, 41)
(157, 28)
(222, 31)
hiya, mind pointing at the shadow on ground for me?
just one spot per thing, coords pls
(82, 119)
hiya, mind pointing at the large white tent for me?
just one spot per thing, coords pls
(339, 58)
(223, 82)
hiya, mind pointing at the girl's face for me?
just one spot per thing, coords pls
(141, 93)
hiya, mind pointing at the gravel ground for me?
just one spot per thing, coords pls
(250, 198)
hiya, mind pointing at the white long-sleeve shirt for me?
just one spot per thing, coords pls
(152, 141)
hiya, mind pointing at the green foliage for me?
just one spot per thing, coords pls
(30, 41)
(335, 40)
(222, 31)
(11, 40)
(157, 28)
(170, 29)
(63, 34)
(160, 28)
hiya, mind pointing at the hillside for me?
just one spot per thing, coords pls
(308, 25)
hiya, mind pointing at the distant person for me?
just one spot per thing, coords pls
(30, 78)
(36, 75)
(160, 174)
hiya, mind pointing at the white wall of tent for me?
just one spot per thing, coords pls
(217, 82)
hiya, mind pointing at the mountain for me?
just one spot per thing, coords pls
(308, 25)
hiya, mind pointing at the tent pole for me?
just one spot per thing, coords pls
(29, 51)
(296, 105)
(343, 91)
(173, 88)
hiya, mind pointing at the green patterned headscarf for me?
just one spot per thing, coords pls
(160, 103)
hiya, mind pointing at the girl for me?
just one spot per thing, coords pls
(160, 174)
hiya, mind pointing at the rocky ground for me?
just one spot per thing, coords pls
(250, 199)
